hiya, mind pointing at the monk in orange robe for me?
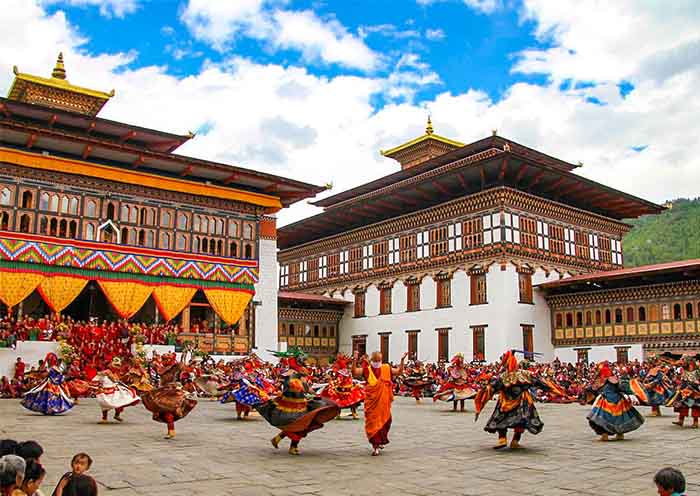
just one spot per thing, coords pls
(379, 394)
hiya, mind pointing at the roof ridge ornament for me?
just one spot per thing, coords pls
(429, 127)
(59, 71)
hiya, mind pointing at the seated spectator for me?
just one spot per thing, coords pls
(81, 485)
(30, 450)
(670, 482)
(12, 469)
(33, 477)
(80, 464)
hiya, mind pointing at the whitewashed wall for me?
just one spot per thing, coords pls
(266, 295)
(503, 316)
(30, 352)
(599, 353)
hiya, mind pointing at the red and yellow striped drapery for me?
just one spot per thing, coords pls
(127, 298)
(16, 286)
(171, 300)
(59, 291)
(228, 304)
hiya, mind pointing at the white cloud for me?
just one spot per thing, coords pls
(434, 34)
(287, 121)
(484, 6)
(108, 8)
(220, 23)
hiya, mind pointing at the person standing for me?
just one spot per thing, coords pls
(379, 395)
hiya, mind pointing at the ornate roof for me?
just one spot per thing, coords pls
(422, 148)
(56, 92)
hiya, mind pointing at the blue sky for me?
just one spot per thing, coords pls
(315, 89)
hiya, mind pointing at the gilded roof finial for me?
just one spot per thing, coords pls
(429, 127)
(59, 72)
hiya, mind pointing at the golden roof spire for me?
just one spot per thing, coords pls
(429, 127)
(59, 72)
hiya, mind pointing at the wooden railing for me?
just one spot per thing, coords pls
(223, 344)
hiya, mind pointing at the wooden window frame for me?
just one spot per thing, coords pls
(525, 294)
(478, 342)
(477, 281)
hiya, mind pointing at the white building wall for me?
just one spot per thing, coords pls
(599, 353)
(502, 315)
(266, 299)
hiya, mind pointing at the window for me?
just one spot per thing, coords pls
(165, 241)
(54, 204)
(608, 316)
(438, 242)
(422, 245)
(412, 345)
(579, 319)
(111, 211)
(444, 297)
(528, 338)
(73, 206)
(688, 311)
(665, 311)
(569, 319)
(359, 345)
(53, 227)
(593, 252)
(582, 355)
(478, 289)
(43, 201)
(394, 251)
(181, 221)
(642, 314)
(25, 223)
(528, 232)
(303, 271)
(511, 228)
(384, 346)
(322, 267)
(413, 297)
(569, 242)
(181, 242)
(64, 205)
(454, 237)
(125, 235)
(616, 248)
(6, 197)
(27, 198)
(233, 229)
(443, 344)
(220, 227)
(559, 321)
(248, 231)
(380, 256)
(134, 215)
(344, 262)
(359, 304)
(556, 239)
(43, 223)
(473, 233)
(589, 319)
(525, 287)
(479, 343)
(598, 317)
(212, 226)
(195, 244)
(622, 354)
(618, 316)
(408, 248)
(89, 232)
(385, 301)
(630, 314)
(367, 261)
(91, 209)
(542, 235)
(233, 249)
(124, 215)
(492, 228)
(284, 276)
(142, 237)
(151, 216)
(165, 219)
(677, 311)
(248, 254)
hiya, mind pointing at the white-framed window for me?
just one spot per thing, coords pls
(322, 267)
(367, 262)
(454, 237)
(569, 242)
(423, 245)
(344, 262)
(284, 276)
(303, 271)
(511, 228)
(616, 250)
(394, 254)
(542, 235)
(492, 228)
(593, 246)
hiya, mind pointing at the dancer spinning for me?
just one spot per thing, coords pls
(51, 396)
(654, 390)
(169, 402)
(111, 393)
(417, 380)
(379, 395)
(296, 413)
(515, 408)
(243, 391)
(457, 386)
(341, 388)
(612, 411)
(687, 397)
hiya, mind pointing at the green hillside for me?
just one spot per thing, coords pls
(672, 235)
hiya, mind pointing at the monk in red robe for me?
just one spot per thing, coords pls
(379, 394)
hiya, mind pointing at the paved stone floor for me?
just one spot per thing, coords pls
(433, 451)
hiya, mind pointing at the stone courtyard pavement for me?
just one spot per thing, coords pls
(433, 451)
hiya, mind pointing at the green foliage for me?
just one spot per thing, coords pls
(667, 237)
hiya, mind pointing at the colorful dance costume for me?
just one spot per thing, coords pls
(515, 408)
(51, 396)
(457, 387)
(341, 388)
(113, 394)
(655, 390)
(687, 398)
(244, 393)
(169, 402)
(293, 412)
(613, 412)
(418, 380)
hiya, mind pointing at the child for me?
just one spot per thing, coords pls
(670, 482)
(80, 464)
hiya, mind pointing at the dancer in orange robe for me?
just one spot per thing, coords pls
(379, 395)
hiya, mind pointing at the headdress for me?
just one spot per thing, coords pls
(51, 359)
(459, 357)
(509, 362)
(341, 361)
(604, 370)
